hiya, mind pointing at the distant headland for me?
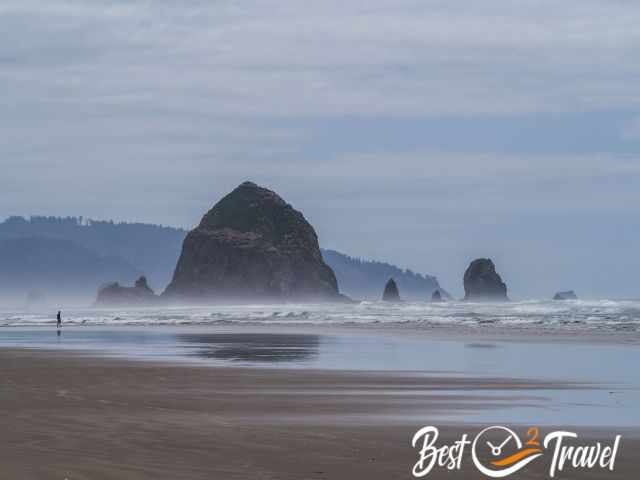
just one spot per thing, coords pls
(251, 245)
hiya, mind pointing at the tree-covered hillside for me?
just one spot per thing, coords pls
(56, 269)
(151, 249)
(53, 252)
(365, 279)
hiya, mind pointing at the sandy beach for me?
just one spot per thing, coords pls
(366, 240)
(74, 416)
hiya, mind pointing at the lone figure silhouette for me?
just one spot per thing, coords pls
(59, 319)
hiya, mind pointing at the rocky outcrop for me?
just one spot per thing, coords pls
(252, 245)
(391, 292)
(115, 294)
(440, 295)
(568, 295)
(482, 282)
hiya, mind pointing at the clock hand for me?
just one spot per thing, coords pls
(495, 451)
(505, 442)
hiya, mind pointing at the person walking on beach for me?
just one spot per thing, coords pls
(59, 319)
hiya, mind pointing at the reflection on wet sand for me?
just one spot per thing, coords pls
(252, 347)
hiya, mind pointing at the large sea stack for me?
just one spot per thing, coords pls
(391, 292)
(482, 282)
(252, 245)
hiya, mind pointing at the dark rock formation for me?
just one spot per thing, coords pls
(114, 294)
(568, 295)
(437, 296)
(482, 282)
(391, 293)
(252, 245)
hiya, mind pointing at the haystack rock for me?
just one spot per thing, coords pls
(482, 282)
(391, 293)
(252, 245)
(115, 294)
(568, 295)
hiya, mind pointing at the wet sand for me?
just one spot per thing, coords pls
(82, 417)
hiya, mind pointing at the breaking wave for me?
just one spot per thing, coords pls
(606, 315)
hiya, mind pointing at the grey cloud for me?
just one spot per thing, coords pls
(631, 130)
(294, 58)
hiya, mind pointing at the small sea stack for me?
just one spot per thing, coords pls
(436, 297)
(566, 295)
(482, 282)
(391, 292)
(115, 294)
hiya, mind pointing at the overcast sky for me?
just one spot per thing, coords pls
(421, 132)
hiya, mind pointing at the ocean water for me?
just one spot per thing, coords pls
(592, 345)
(579, 315)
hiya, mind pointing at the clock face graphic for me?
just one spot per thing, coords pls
(498, 451)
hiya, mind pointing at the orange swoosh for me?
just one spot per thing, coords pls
(515, 457)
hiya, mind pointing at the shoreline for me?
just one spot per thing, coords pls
(601, 321)
(503, 333)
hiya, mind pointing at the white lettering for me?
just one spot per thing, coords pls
(557, 455)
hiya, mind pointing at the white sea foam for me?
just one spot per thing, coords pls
(580, 314)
